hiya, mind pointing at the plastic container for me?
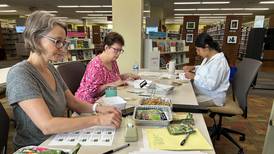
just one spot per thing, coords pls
(165, 109)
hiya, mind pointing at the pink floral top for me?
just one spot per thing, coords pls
(95, 76)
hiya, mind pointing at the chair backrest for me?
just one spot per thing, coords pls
(4, 128)
(246, 72)
(72, 74)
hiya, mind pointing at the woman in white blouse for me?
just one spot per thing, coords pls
(211, 78)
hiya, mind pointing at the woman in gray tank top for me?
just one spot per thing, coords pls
(37, 92)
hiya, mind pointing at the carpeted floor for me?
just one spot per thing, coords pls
(255, 126)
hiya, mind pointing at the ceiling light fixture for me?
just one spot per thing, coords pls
(256, 9)
(207, 9)
(7, 11)
(52, 11)
(214, 14)
(266, 2)
(4, 5)
(83, 6)
(88, 6)
(96, 15)
(147, 11)
(217, 2)
(93, 11)
(226, 9)
(194, 3)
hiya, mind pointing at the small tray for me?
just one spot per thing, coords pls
(165, 109)
(160, 101)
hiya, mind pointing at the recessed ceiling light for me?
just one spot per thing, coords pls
(83, 6)
(147, 11)
(8, 11)
(214, 14)
(4, 5)
(207, 9)
(227, 9)
(232, 9)
(256, 9)
(194, 3)
(88, 6)
(93, 11)
(96, 15)
(266, 2)
(217, 2)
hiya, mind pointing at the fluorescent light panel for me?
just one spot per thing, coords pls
(195, 3)
(96, 15)
(7, 11)
(227, 9)
(224, 2)
(266, 2)
(4, 5)
(93, 11)
(217, 14)
(52, 11)
(83, 6)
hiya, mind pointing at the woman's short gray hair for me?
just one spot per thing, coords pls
(39, 23)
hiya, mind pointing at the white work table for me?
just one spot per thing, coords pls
(182, 94)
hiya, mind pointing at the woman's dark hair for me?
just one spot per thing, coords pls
(112, 38)
(204, 39)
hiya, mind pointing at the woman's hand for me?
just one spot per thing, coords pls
(188, 68)
(110, 119)
(131, 76)
(117, 83)
(107, 109)
(189, 75)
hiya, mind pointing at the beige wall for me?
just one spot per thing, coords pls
(127, 20)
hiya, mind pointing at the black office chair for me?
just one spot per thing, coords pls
(72, 73)
(4, 129)
(247, 70)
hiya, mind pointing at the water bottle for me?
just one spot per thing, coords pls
(135, 68)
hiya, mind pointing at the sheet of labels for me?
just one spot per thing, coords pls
(102, 136)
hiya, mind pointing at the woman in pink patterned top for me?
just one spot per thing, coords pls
(102, 71)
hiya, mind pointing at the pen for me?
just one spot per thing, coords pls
(116, 149)
(184, 140)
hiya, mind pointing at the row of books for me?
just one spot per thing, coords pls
(170, 45)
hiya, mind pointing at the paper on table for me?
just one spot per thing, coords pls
(147, 151)
(116, 101)
(165, 141)
(90, 136)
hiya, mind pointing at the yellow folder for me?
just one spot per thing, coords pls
(159, 138)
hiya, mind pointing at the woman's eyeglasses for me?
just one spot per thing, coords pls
(58, 43)
(120, 51)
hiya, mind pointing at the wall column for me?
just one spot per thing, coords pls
(127, 20)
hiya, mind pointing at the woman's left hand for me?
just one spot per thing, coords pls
(189, 75)
(108, 109)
